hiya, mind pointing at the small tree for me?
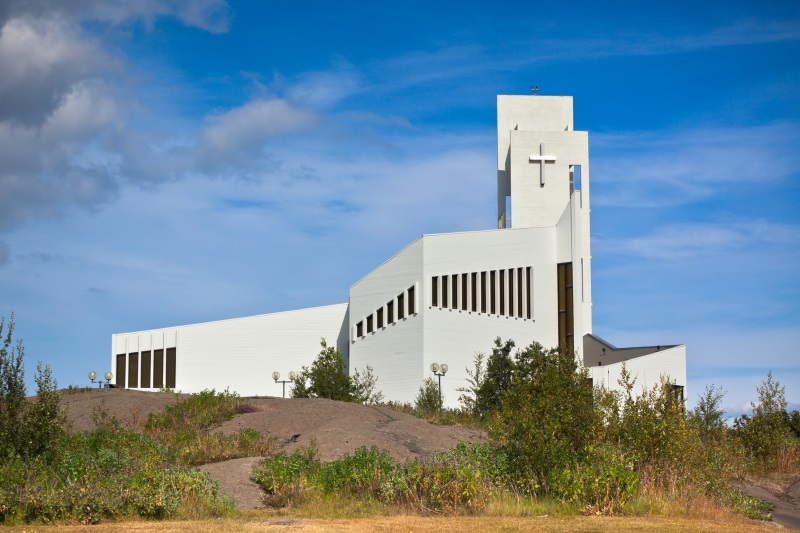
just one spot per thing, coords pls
(469, 397)
(429, 400)
(708, 416)
(766, 434)
(364, 387)
(26, 428)
(497, 379)
(546, 416)
(12, 390)
(327, 377)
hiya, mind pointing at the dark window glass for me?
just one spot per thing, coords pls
(510, 292)
(565, 307)
(411, 309)
(360, 329)
(475, 292)
(493, 287)
(401, 306)
(444, 292)
(519, 292)
(369, 324)
(133, 370)
(144, 378)
(529, 292)
(158, 369)
(171, 363)
(501, 285)
(434, 291)
(464, 285)
(454, 284)
(121, 370)
(379, 315)
(483, 292)
(390, 312)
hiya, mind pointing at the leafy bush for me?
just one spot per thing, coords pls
(546, 417)
(108, 473)
(429, 399)
(327, 378)
(26, 428)
(462, 479)
(767, 436)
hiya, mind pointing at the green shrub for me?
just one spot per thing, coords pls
(606, 481)
(327, 378)
(429, 399)
(462, 479)
(767, 436)
(185, 429)
(546, 417)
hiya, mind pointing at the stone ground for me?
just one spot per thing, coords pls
(336, 428)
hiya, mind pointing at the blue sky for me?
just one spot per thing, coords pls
(171, 162)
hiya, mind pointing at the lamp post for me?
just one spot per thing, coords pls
(109, 376)
(93, 376)
(439, 371)
(277, 377)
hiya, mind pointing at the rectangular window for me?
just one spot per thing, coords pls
(474, 292)
(133, 370)
(171, 364)
(434, 291)
(144, 378)
(401, 306)
(493, 287)
(483, 292)
(390, 312)
(501, 285)
(369, 324)
(528, 279)
(158, 369)
(121, 370)
(566, 330)
(360, 329)
(454, 284)
(464, 285)
(379, 315)
(510, 292)
(411, 309)
(519, 293)
(444, 291)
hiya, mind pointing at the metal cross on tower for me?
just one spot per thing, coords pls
(542, 159)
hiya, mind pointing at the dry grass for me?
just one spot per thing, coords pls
(267, 521)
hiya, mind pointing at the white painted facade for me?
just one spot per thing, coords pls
(405, 315)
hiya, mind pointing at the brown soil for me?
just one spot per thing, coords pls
(335, 428)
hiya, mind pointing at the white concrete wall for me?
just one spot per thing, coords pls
(647, 370)
(394, 351)
(453, 336)
(241, 354)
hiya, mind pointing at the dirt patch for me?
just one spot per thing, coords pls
(339, 428)
(129, 406)
(235, 482)
(786, 502)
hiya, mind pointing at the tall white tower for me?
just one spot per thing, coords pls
(543, 180)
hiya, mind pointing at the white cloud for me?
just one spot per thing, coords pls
(679, 241)
(667, 168)
(210, 15)
(41, 59)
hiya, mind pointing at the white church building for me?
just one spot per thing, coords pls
(440, 299)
